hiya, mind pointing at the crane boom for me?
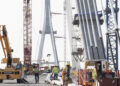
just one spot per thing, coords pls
(112, 39)
(8, 50)
(11, 71)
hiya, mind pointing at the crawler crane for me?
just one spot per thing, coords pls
(90, 59)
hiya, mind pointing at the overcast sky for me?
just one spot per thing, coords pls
(11, 15)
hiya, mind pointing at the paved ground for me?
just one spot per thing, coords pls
(30, 79)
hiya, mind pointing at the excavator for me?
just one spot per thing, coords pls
(14, 68)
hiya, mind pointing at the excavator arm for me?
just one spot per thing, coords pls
(5, 45)
(14, 68)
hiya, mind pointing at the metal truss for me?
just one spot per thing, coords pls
(27, 31)
(112, 40)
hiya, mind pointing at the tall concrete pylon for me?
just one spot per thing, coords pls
(48, 29)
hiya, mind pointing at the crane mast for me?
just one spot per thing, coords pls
(27, 31)
(112, 40)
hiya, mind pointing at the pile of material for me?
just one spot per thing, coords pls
(49, 80)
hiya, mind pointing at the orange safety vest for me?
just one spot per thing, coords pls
(63, 73)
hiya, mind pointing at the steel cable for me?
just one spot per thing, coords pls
(81, 17)
(91, 18)
(88, 28)
(98, 25)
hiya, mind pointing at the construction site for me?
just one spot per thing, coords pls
(59, 43)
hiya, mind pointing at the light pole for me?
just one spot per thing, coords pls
(48, 55)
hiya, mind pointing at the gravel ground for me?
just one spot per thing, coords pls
(30, 79)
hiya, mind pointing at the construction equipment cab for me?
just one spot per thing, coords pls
(13, 69)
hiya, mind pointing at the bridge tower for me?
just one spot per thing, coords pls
(47, 29)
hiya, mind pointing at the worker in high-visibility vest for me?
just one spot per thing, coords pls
(66, 75)
(63, 72)
(36, 73)
(25, 71)
(55, 71)
(94, 75)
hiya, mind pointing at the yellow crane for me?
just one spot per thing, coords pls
(13, 69)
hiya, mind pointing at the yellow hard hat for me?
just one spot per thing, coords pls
(68, 64)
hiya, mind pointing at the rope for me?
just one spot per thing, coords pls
(38, 37)
(18, 41)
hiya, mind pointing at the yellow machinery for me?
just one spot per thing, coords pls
(100, 67)
(85, 76)
(13, 69)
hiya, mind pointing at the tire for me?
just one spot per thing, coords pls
(18, 81)
(65, 83)
(1, 81)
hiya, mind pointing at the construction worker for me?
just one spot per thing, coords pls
(55, 71)
(36, 73)
(94, 75)
(63, 72)
(66, 75)
(25, 71)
